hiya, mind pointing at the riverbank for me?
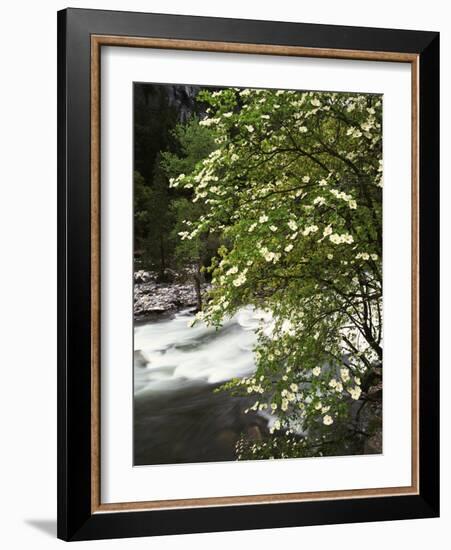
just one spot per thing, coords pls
(154, 300)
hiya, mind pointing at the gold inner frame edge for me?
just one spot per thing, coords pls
(97, 41)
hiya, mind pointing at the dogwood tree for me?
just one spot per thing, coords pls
(294, 189)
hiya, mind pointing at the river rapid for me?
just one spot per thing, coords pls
(178, 415)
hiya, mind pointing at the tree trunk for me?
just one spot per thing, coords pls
(196, 278)
(162, 259)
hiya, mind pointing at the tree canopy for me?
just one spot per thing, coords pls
(293, 192)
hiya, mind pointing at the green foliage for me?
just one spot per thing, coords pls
(154, 220)
(193, 143)
(186, 251)
(161, 213)
(294, 190)
(141, 197)
(156, 112)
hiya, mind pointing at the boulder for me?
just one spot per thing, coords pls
(153, 299)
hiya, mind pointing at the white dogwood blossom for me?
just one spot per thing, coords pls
(355, 392)
(291, 196)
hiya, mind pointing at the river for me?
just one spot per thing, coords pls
(178, 417)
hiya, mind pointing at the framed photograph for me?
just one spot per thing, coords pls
(248, 274)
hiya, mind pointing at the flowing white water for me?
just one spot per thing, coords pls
(169, 354)
(178, 417)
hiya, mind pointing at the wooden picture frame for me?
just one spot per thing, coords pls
(81, 35)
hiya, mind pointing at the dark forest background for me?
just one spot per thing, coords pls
(168, 140)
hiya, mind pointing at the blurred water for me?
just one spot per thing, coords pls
(170, 354)
(177, 415)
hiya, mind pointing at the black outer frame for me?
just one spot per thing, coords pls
(75, 520)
